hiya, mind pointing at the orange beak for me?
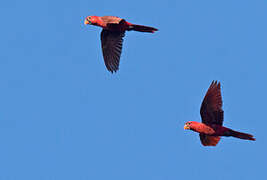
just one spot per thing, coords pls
(86, 22)
(186, 127)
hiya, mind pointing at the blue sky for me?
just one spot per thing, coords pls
(64, 116)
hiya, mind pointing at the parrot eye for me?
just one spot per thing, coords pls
(90, 22)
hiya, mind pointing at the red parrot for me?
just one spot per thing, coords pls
(211, 129)
(112, 37)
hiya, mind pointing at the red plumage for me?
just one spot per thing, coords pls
(112, 37)
(211, 129)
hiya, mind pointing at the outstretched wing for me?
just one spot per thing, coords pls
(111, 42)
(207, 140)
(211, 108)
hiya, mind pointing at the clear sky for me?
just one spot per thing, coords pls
(64, 116)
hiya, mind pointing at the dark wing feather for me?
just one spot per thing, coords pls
(211, 108)
(111, 42)
(207, 140)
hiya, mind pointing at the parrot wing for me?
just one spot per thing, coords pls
(120, 26)
(211, 108)
(207, 140)
(111, 42)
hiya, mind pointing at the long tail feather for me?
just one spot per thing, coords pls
(242, 135)
(142, 28)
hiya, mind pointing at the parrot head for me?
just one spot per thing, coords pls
(188, 125)
(90, 20)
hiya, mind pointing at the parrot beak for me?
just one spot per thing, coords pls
(86, 22)
(186, 127)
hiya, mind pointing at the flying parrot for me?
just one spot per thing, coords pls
(211, 129)
(112, 37)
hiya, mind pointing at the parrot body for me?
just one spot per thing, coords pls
(211, 128)
(112, 37)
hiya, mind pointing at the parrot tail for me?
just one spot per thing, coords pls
(241, 135)
(142, 28)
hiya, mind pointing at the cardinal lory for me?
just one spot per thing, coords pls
(211, 113)
(112, 36)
